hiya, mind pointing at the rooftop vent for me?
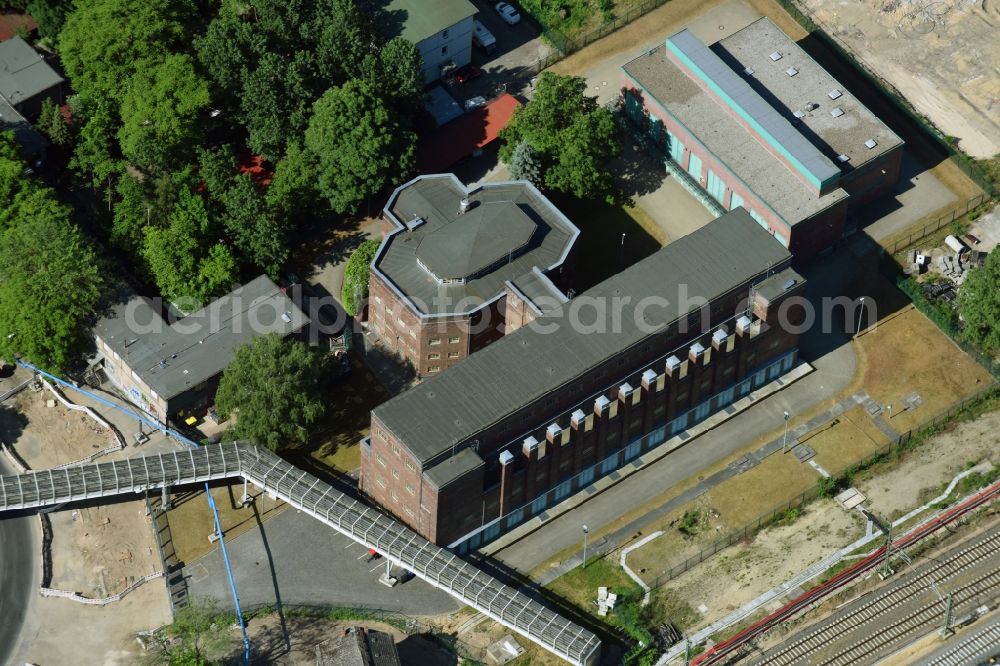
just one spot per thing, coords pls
(720, 336)
(415, 222)
(673, 362)
(748, 71)
(798, 114)
(506, 458)
(811, 106)
(870, 143)
(791, 71)
(836, 112)
(463, 206)
(697, 349)
(285, 318)
(789, 284)
(776, 56)
(834, 94)
(843, 158)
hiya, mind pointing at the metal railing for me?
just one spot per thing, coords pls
(350, 517)
(929, 227)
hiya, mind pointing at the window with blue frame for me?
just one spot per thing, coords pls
(773, 371)
(745, 387)
(716, 187)
(786, 363)
(759, 377)
(515, 517)
(609, 464)
(702, 410)
(679, 423)
(539, 504)
(491, 532)
(755, 215)
(655, 131)
(676, 147)
(657, 436)
(726, 397)
(586, 476)
(633, 449)
(633, 108)
(735, 201)
(562, 490)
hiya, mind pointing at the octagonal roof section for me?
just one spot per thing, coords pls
(453, 248)
(485, 235)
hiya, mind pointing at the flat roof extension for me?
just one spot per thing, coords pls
(526, 365)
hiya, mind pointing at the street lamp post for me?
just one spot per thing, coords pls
(860, 312)
(784, 439)
(586, 531)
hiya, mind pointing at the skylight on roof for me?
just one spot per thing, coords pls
(775, 56)
(871, 143)
(842, 158)
(748, 71)
(834, 94)
(798, 114)
(836, 112)
(791, 71)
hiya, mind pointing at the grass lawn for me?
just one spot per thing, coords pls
(579, 585)
(600, 252)
(348, 419)
(191, 520)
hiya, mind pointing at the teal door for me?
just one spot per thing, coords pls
(694, 167)
(735, 201)
(676, 147)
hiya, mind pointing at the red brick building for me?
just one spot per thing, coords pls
(757, 123)
(587, 387)
(455, 262)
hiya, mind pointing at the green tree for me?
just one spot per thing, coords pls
(274, 387)
(103, 43)
(400, 74)
(573, 137)
(188, 267)
(50, 284)
(254, 232)
(161, 113)
(53, 125)
(95, 157)
(49, 15)
(356, 274)
(22, 197)
(292, 191)
(275, 102)
(133, 212)
(979, 303)
(360, 145)
(524, 164)
(216, 168)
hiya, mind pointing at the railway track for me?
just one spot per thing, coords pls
(983, 643)
(914, 623)
(861, 616)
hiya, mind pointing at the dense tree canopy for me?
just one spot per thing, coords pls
(274, 387)
(161, 111)
(50, 283)
(360, 144)
(979, 303)
(572, 137)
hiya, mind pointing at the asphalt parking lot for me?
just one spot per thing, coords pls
(294, 559)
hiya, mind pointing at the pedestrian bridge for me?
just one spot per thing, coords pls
(363, 524)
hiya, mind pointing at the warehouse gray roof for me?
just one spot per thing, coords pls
(538, 291)
(23, 73)
(778, 284)
(421, 19)
(834, 135)
(443, 261)
(726, 138)
(520, 368)
(454, 467)
(748, 103)
(173, 358)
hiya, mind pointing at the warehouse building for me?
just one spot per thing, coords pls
(168, 367)
(545, 411)
(458, 267)
(755, 122)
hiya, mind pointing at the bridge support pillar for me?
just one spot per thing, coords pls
(165, 498)
(246, 493)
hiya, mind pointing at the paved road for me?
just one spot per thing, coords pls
(835, 363)
(17, 573)
(296, 559)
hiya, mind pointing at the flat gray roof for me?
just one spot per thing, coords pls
(173, 358)
(23, 73)
(422, 19)
(725, 138)
(539, 290)
(454, 467)
(520, 368)
(833, 135)
(778, 284)
(509, 229)
(749, 105)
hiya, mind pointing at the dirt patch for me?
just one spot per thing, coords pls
(940, 55)
(934, 463)
(744, 572)
(849, 438)
(55, 435)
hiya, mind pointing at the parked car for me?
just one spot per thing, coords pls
(483, 38)
(465, 74)
(475, 102)
(508, 13)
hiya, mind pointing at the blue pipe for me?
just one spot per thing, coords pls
(211, 501)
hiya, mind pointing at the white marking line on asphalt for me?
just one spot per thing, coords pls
(815, 466)
(377, 566)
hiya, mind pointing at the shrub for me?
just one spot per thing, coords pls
(355, 289)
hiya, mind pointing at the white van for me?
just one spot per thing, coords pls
(483, 38)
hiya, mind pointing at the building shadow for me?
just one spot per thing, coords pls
(284, 637)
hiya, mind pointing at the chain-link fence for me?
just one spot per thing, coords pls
(624, 13)
(785, 511)
(928, 228)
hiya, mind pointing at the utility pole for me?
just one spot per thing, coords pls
(885, 527)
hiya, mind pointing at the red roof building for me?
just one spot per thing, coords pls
(438, 151)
